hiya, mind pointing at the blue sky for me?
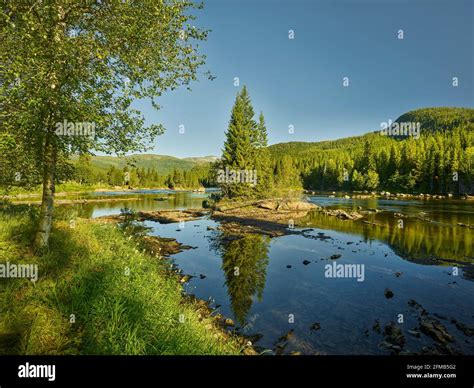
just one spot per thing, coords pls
(299, 82)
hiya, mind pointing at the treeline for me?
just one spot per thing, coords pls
(424, 151)
(86, 173)
(438, 161)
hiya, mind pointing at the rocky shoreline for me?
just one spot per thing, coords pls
(389, 195)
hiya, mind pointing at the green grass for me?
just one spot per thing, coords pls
(84, 274)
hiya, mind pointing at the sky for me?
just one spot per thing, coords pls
(299, 82)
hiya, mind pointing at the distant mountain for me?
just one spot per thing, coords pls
(164, 164)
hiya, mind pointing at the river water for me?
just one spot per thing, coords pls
(282, 292)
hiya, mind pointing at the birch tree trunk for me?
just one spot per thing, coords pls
(47, 203)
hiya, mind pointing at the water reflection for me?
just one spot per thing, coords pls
(419, 240)
(244, 262)
(93, 207)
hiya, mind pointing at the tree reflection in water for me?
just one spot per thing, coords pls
(244, 262)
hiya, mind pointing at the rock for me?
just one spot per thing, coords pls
(268, 204)
(306, 262)
(374, 210)
(288, 266)
(201, 276)
(468, 331)
(414, 333)
(414, 303)
(335, 257)
(210, 228)
(398, 274)
(228, 322)
(343, 215)
(315, 326)
(394, 335)
(399, 215)
(376, 326)
(186, 278)
(434, 329)
(286, 336)
(388, 345)
(286, 205)
(295, 353)
(171, 216)
(297, 206)
(388, 293)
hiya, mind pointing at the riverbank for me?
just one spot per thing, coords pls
(100, 290)
(387, 195)
(62, 190)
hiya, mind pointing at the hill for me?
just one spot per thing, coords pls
(439, 159)
(431, 120)
(163, 164)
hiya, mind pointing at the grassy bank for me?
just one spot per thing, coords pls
(124, 301)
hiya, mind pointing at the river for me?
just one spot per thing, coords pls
(282, 295)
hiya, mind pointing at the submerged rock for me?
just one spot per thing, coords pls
(286, 336)
(469, 331)
(394, 336)
(335, 257)
(315, 326)
(172, 216)
(434, 329)
(414, 333)
(388, 293)
(343, 215)
(306, 262)
(376, 326)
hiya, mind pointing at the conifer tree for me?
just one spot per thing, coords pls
(246, 149)
(262, 160)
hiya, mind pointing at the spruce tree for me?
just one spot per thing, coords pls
(263, 161)
(239, 149)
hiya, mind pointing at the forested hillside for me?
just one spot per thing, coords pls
(440, 160)
(142, 171)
